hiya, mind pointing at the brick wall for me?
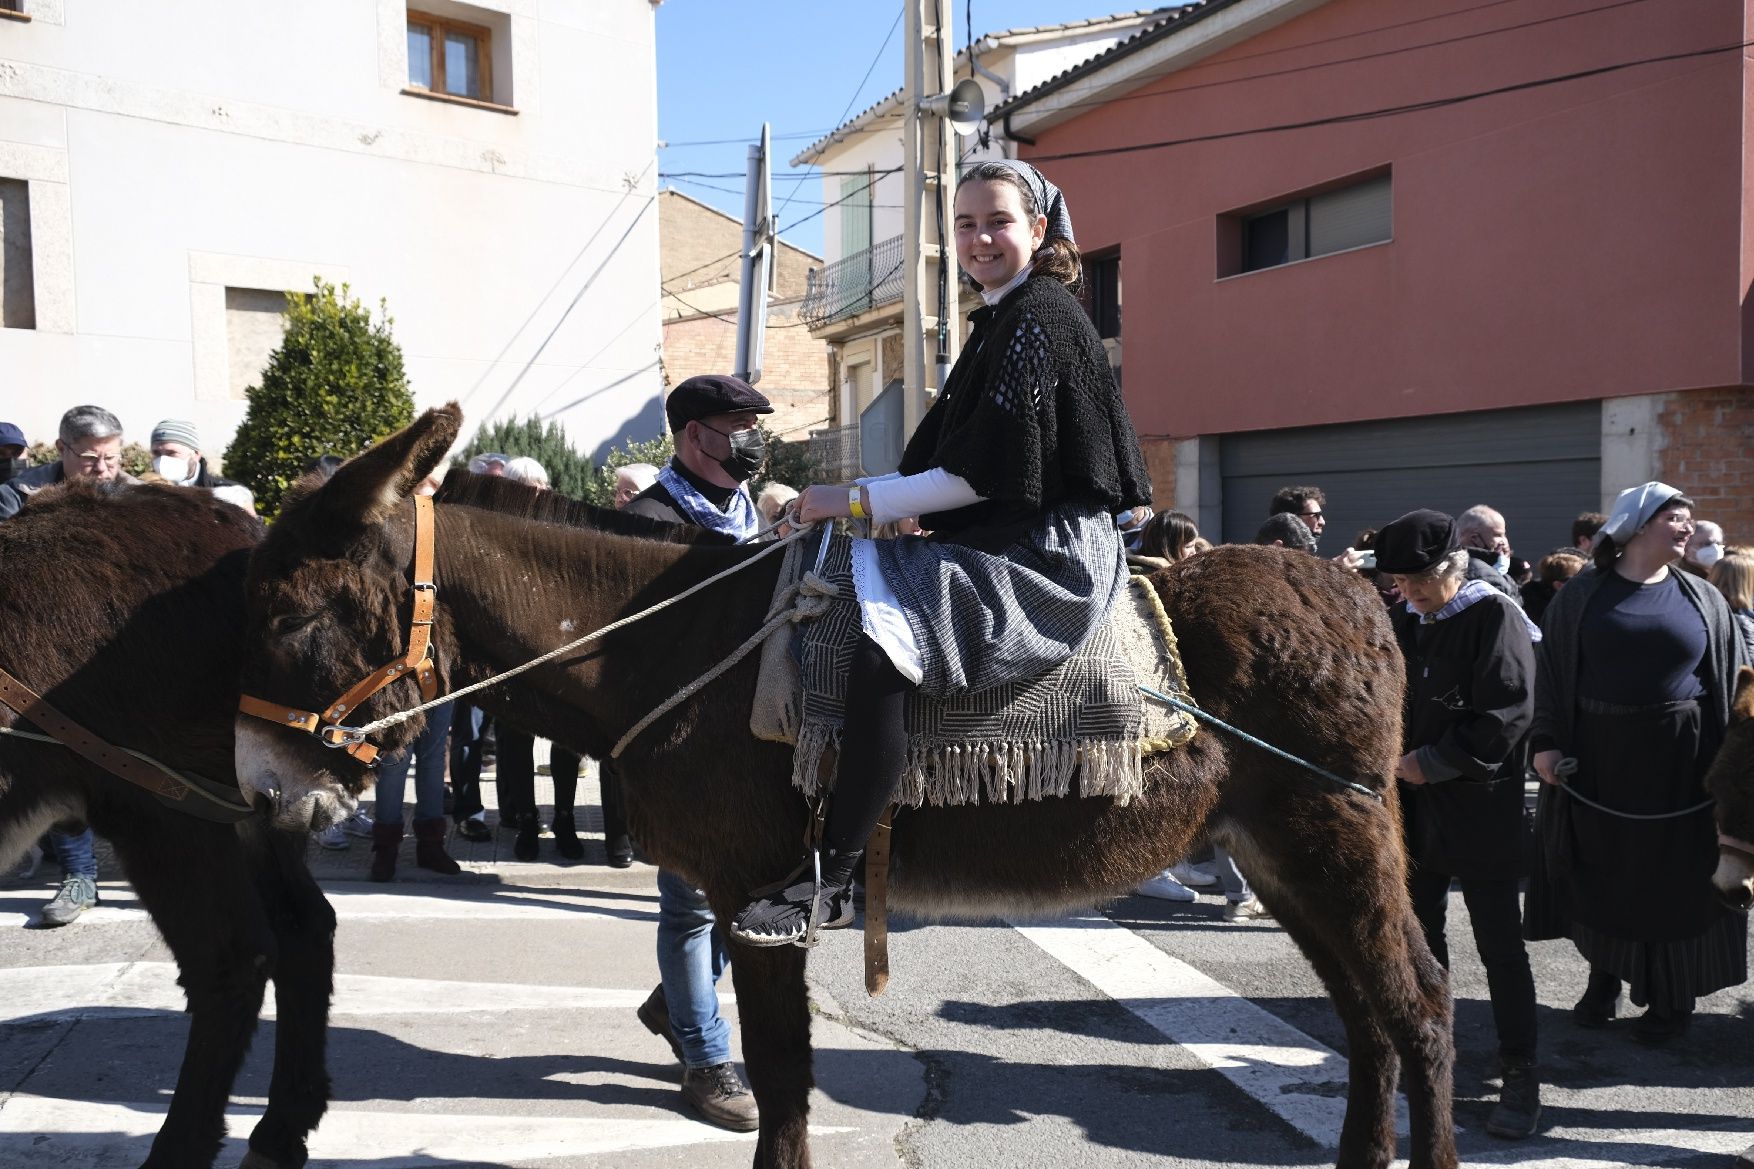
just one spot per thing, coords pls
(1160, 462)
(1706, 448)
(794, 365)
(693, 242)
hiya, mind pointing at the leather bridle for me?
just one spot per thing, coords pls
(327, 726)
(1728, 843)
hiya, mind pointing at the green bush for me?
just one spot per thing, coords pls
(790, 463)
(656, 451)
(569, 472)
(335, 386)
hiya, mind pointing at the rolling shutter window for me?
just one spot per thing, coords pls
(1350, 217)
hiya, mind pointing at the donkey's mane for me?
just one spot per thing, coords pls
(509, 498)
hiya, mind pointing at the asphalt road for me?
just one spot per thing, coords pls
(488, 1021)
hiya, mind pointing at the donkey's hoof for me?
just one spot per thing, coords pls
(255, 1160)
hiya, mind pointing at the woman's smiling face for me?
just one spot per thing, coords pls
(994, 237)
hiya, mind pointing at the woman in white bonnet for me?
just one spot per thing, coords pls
(1636, 671)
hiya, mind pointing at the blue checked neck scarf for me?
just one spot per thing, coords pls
(740, 522)
(1470, 593)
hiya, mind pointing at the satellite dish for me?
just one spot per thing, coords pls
(962, 107)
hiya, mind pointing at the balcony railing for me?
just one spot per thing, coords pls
(836, 452)
(857, 284)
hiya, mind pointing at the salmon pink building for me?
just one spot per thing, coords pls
(1421, 255)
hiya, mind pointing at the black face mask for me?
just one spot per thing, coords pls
(748, 452)
(9, 468)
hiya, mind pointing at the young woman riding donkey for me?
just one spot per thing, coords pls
(1283, 645)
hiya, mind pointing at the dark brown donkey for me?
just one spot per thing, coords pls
(1731, 782)
(125, 611)
(1283, 644)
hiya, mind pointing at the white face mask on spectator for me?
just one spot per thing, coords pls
(1708, 554)
(173, 469)
(1502, 564)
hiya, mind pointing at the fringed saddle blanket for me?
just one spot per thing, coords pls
(1086, 719)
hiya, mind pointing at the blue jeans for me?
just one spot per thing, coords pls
(1235, 885)
(428, 755)
(73, 852)
(691, 957)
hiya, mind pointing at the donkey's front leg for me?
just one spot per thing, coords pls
(775, 1016)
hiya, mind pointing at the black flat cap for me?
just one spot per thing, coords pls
(707, 394)
(1415, 543)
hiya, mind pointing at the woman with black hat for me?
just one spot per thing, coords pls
(1470, 698)
(1017, 470)
(1637, 672)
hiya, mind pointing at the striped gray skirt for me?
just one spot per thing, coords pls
(982, 618)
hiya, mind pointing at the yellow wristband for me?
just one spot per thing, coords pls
(855, 507)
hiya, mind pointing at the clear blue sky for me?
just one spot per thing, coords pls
(726, 66)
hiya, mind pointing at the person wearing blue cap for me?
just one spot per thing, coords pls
(1018, 471)
(12, 448)
(1637, 670)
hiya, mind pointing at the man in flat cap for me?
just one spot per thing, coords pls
(1470, 661)
(177, 459)
(718, 449)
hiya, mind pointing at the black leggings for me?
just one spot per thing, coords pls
(873, 748)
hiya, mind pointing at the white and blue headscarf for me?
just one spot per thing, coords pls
(1633, 508)
(1048, 199)
(740, 522)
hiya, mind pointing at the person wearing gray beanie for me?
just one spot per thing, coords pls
(177, 459)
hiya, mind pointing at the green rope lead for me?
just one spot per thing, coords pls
(1214, 720)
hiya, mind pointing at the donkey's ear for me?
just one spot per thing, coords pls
(368, 488)
(1742, 705)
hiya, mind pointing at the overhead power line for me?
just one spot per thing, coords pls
(1165, 94)
(860, 88)
(1397, 110)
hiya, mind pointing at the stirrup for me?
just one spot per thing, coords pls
(801, 891)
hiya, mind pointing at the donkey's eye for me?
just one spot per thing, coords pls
(290, 623)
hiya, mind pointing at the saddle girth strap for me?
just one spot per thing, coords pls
(877, 906)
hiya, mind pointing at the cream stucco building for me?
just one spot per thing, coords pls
(167, 176)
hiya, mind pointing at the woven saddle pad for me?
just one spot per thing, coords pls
(1085, 720)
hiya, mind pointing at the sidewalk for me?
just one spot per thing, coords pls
(487, 857)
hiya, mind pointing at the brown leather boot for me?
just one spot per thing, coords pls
(386, 843)
(429, 847)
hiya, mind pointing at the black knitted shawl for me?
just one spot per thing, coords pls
(1030, 414)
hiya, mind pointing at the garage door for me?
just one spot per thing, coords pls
(1540, 466)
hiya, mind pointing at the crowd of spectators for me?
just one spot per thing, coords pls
(1602, 669)
(1601, 674)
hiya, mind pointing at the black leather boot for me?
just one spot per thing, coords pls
(1518, 1110)
(524, 844)
(566, 837)
(1600, 999)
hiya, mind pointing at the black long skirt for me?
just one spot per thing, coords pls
(1635, 896)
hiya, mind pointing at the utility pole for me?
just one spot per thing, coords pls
(758, 236)
(930, 337)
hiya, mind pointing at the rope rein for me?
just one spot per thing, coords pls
(813, 596)
(1567, 767)
(1214, 720)
(391, 720)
